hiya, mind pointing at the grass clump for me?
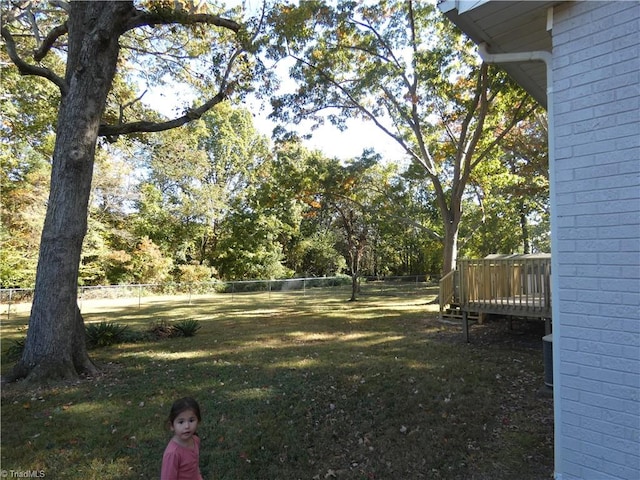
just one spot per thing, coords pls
(183, 328)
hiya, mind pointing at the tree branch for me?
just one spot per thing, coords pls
(28, 69)
(128, 104)
(471, 145)
(60, 4)
(462, 152)
(49, 40)
(398, 218)
(396, 63)
(111, 132)
(142, 19)
(425, 159)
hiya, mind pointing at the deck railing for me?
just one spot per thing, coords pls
(447, 291)
(512, 286)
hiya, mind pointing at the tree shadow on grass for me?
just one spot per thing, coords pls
(296, 389)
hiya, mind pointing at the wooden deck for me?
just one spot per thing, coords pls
(514, 286)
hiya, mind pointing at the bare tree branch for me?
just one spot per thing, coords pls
(60, 4)
(462, 152)
(470, 147)
(32, 21)
(128, 104)
(111, 132)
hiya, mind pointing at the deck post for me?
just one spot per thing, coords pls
(465, 325)
(547, 326)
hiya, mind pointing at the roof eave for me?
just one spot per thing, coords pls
(507, 27)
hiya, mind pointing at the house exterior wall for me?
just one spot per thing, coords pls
(596, 175)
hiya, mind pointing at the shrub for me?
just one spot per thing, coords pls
(187, 328)
(194, 273)
(163, 329)
(104, 334)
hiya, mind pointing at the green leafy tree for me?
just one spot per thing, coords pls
(342, 194)
(289, 193)
(314, 190)
(249, 248)
(24, 181)
(317, 255)
(526, 157)
(237, 163)
(171, 206)
(196, 177)
(508, 210)
(108, 237)
(194, 273)
(408, 225)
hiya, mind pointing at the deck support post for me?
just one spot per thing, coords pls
(465, 325)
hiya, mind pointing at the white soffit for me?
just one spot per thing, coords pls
(508, 27)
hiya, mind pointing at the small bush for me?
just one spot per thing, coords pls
(187, 328)
(163, 329)
(104, 334)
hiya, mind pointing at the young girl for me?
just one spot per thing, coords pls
(181, 459)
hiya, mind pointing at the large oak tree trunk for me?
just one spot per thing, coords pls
(55, 346)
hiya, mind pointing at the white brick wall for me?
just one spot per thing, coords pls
(596, 95)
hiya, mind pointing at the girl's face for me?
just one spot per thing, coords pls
(185, 425)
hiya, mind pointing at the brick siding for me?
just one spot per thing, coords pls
(596, 98)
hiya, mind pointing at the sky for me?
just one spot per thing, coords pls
(350, 143)
(345, 145)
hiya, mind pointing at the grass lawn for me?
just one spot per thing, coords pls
(294, 387)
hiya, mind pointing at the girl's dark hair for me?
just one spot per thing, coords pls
(182, 405)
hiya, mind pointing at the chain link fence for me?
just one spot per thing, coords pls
(13, 300)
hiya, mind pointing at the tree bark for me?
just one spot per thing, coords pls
(55, 347)
(450, 247)
(355, 272)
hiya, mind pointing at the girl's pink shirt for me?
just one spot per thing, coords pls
(181, 463)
